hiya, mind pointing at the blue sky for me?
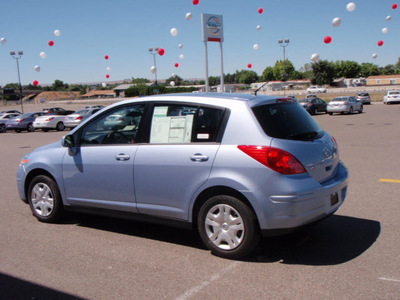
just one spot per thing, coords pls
(125, 30)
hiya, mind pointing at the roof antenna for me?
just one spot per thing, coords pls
(256, 91)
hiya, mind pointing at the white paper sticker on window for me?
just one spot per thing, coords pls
(203, 136)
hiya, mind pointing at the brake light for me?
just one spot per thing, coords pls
(19, 120)
(79, 118)
(49, 119)
(121, 119)
(276, 159)
(286, 99)
(345, 103)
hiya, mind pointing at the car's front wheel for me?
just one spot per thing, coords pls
(44, 199)
(31, 128)
(3, 128)
(228, 227)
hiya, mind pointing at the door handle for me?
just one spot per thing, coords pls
(198, 157)
(122, 157)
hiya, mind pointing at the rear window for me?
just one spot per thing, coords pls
(363, 94)
(287, 121)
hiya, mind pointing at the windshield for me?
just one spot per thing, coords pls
(287, 121)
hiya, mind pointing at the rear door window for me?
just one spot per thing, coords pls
(287, 121)
(174, 123)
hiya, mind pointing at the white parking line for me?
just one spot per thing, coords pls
(389, 279)
(196, 289)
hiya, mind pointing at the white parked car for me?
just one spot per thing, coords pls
(51, 121)
(316, 89)
(391, 97)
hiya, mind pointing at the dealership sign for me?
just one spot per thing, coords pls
(212, 26)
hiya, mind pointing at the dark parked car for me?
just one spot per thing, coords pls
(11, 111)
(23, 122)
(313, 105)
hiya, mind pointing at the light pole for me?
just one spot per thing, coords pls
(17, 57)
(154, 52)
(283, 44)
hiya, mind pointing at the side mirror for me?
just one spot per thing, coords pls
(68, 141)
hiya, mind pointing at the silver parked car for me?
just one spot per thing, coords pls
(234, 167)
(364, 98)
(345, 104)
(73, 120)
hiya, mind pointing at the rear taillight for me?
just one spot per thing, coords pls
(345, 103)
(121, 119)
(276, 159)
(19, 120)
(49, 119)
(79, 118)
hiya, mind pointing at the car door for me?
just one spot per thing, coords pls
(100, 173)
(183, 142)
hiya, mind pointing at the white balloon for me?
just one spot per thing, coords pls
(315, 57)
(174, 31)
(104, 84)
(43, 55)
(256, 46)
(258, 27)
(374, 55)
(153, 69)
(388, 18)
(181, 56)
(351, 6)
(3, 41)
(384, 30)
(108, 68)
(57, 32)
(189, 16)
(37, 68)
(180, 46)
(173, 74)
(336, 22)
(172, 83)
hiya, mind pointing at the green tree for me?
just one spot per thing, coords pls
(177, 79)
(368, 69)
(268, 74)
(323, 72)
(248, 77)
(214, 80)
(140, 80)
(388, 70)
(347, 69)
(283, 71)
(59, 85)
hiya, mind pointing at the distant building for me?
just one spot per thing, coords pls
(98, 94)
(383, 80)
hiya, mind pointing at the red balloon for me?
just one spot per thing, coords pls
(394, 6)
(176, 65)
(161, 51)
(260, 10)
(107, 76)
(195, 2)
(51, 43)
(35, 82)
(106, 57)
(380, 43)
(249, 66)
(327, 39)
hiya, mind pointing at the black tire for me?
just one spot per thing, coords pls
(331, 113)
(3, 128)
(31, 128)
(45, 200)
(60, 126)
(361, 110)
(45, 130)
(221, 241)
(351, 110)
(17, 130)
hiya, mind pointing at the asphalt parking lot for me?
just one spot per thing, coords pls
(351, 255)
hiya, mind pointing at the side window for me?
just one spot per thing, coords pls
(118, 126)
(184, 124)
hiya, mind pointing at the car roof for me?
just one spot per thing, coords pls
(217, 99)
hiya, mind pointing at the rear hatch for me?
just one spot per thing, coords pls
(296, 132)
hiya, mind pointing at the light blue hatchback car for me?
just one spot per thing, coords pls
(234, 167)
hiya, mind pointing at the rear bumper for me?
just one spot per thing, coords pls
(282, 212)
(338, 109)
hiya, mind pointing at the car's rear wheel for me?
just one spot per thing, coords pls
(351, 110)
(3, 128)
(60, 126)
(44, 199)
(228, 227)
(361, 109)
(331, 113)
